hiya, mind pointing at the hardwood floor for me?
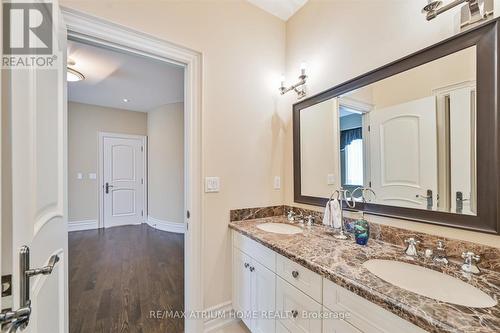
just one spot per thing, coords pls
(117, 276)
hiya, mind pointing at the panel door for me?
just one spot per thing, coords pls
(263, 298)
(403, 150)
(462, 149)
(242, 298)
(123, 178)
(38, 117)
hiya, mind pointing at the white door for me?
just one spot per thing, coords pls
(462, 149)
(242, 300)
(403, 141)
(263, 291)
(123, 179)
(39, 187)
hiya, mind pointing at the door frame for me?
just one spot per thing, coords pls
(100, 172)
(103, 33)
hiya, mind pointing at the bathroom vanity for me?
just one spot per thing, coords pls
(312, 282)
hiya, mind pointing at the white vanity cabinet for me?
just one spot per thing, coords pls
(266, 282)
(254, 286)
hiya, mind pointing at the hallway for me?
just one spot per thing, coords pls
(118, 275)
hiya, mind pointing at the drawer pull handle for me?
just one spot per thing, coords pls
(246, 265)
(295, 313)
(295, 274)
(252, 268)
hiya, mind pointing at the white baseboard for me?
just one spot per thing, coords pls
(219, 321)
(82, 225)
(163, 225)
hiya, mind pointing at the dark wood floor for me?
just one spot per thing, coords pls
(119, 275)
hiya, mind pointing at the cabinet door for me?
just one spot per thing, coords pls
(335, 325)
(242, 300)
(263, 298)
(280, 328)
(303, 313)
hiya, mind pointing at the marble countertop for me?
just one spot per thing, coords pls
(342, 262)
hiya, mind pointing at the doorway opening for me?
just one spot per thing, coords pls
(126, 189)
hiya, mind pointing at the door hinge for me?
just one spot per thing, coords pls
(142, 148)
(142, 213)
(369, 128)
(142, 180)
(370, 183)
(188, 214)
(187, 226)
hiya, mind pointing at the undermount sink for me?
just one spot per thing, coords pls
(429, 283)
(280, 228)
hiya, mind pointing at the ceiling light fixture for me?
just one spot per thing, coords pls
(72, 75)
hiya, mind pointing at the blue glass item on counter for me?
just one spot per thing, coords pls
(361, 231)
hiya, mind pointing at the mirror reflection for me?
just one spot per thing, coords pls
(409, 138)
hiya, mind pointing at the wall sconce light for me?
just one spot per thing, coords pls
(299, 87)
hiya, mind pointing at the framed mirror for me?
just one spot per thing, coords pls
(416, 139)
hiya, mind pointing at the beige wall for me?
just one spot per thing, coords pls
(243, 57)
(341, 39)
(84, 123)
(319, 148)
(166, 163)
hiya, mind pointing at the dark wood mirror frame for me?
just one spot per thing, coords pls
(486, 38)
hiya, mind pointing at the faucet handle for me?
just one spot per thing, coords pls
(412, 241)
(310, 220)
(440, 245)
(469, 266)
(469, 256)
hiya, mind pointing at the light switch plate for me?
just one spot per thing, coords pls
(330, 179)
(92, 175)
(212, 184)
(277, 182)
(79, 175)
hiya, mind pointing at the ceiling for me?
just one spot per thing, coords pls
(111, 76)
(283, 9)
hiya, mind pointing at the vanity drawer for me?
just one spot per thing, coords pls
(336, 325)
(300, 277)
(364, 315)
(290, 299)
(255, 250)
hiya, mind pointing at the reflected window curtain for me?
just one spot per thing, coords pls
(351, 142)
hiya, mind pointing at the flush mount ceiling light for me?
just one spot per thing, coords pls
(72, 75)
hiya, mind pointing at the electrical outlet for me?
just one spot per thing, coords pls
(330, 179)
(277, 182)
(212, 184)
(79, 176)
(92, 176)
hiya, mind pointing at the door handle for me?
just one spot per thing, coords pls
(20, 318)
(107, 186)
(428, 197)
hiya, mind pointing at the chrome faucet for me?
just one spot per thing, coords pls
(470, 260)
(440, 256)
(310, 220)
(290, 216)
(411, 249)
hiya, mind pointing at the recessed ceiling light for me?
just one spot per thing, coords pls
(126, 100)
(74, 75)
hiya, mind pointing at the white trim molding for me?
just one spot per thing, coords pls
(163, 225)
(219, 316)
(82, 225)
(97, 31)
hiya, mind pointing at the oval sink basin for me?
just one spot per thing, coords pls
(280, 228)
(429, 283)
